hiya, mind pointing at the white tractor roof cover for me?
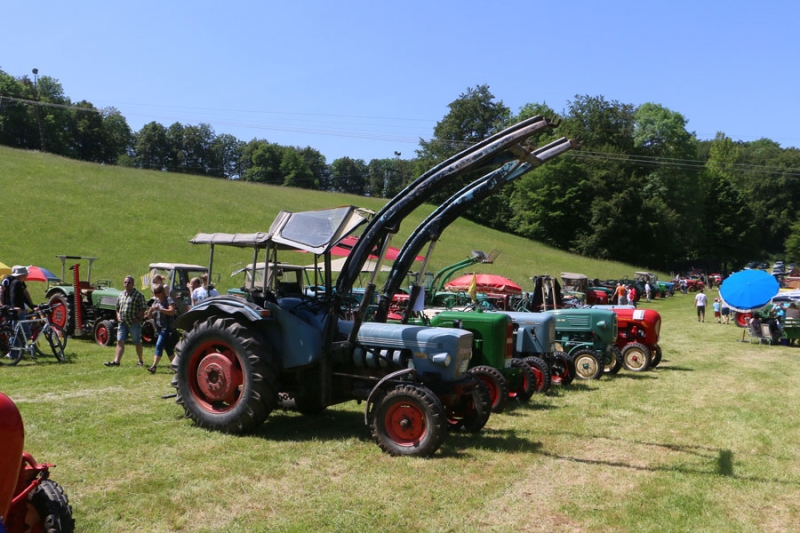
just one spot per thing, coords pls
(316, 231)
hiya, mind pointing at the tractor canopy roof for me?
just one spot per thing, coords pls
(177, 266)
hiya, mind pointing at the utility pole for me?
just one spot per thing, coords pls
(38, 114)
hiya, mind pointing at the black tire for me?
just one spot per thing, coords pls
(104, 333)
(655, 356)
(15, 346)
(542, 372)
(529, 382)
(223, 377)
(6, 334)
(409, 420)
(52, 509)
(636, 357)
(149, 332)
(587, 364)
(472, 410)
(615, 367)
(496, 383)
(562, 369)
(57, 340)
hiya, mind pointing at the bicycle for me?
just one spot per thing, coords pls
(14, 340)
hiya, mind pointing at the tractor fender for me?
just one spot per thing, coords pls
(225, 305)
(12, 435)
(377, 388)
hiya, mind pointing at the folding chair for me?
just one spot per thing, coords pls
(766, 334)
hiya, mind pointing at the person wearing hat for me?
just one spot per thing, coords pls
(19, 298)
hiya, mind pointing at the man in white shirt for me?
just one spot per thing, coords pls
(700, 302)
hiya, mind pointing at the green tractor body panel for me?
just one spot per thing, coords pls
(595, 329)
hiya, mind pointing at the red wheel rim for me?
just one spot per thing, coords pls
(59, 314)
(490, 384)
(102, 335)
(405, 424)
(539, 377)
(215, 377)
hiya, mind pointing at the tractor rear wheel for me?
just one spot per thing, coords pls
(616, 364)
(562, 369)
(529, 383)
(471, 411)
(59, 306)
(497, 384)
(409, 420)
(587, 364)
(542, 372)
(104, 333)
(636, 357)
(223, 377)
(53, 512)
(656, 356)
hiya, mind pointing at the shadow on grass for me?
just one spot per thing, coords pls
(721, 459)
(459, 444)
(636, 376)
(675, 369)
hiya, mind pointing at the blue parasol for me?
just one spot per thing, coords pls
(748, 290)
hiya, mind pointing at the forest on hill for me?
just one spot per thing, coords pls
(641, 189)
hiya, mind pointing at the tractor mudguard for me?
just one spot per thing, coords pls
(226, 305)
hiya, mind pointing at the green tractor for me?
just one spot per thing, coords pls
(588, 337)
(493, 359)
(85, 307)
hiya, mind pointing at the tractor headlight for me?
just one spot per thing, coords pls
(442, 359)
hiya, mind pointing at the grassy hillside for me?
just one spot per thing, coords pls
(129, 218)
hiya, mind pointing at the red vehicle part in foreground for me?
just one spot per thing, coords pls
(29, 500)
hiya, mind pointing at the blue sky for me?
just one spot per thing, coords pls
(367, 78)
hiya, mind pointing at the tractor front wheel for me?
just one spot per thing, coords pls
(616, 363)
(409, 420)
(542, 372)
(656, 356)
(587, 365)
(104, 333)
(528, 383)
(636, 357)
(471, 411)
(562, 369)
(223, 377)
(53, 512)
(496, 383)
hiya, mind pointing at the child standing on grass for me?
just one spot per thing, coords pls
(717, 309)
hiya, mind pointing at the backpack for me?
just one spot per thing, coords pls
(7, 290)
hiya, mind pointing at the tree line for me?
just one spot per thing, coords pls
(641, 189)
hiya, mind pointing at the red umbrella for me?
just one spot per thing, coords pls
(36, 273)
(346, 245)
(485, 283)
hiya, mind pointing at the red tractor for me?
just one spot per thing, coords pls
(29, 500)
(638, 331)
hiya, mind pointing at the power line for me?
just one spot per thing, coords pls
(48, 104)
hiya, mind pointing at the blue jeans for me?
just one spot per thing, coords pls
(134, 329)
(163, 343)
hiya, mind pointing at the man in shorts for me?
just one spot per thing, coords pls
(700, 301)
(130, 312)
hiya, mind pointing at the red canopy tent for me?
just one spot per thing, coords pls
(485, 283)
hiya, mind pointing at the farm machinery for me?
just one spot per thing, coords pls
(85, 306)
(637, 337)
(237, 357)
(506, 369)
(29, 500)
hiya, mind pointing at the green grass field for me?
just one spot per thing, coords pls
(706, 442)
